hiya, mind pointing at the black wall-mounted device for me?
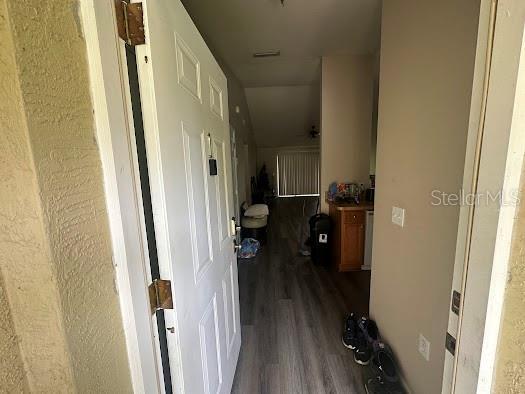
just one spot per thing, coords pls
(213, 167)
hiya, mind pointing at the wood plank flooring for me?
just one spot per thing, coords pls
(292, 314)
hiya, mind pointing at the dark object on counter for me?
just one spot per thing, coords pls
(370, 194)
(320, 229)
(346, 199)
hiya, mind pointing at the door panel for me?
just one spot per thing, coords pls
(210, 349)
(188, 69)
(216, 98)
(184, 98)
(197, 197)
(222, 192)
(230, 321)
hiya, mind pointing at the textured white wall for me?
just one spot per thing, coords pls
(57, 264)
(32, 336)
(510, 367)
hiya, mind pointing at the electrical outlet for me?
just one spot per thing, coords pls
(424, 347)
(398, 216)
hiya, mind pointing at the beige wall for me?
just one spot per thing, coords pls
(241, 122)
(427, 61)
(346, 120)
(56, 266)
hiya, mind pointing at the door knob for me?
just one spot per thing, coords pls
(236, 246)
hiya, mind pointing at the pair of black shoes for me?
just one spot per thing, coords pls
(360, 335)
(384, 378)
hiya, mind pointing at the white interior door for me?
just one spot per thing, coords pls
(184, 96)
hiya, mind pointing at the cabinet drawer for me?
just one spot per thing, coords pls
(354, 217)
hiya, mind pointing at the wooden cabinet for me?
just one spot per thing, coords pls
(348, 237)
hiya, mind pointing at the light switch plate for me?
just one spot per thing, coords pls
(424, 347)
(398, 216)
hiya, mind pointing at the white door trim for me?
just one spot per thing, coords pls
(487, 246)
(470, 174)
(510, 51)
(123, 200)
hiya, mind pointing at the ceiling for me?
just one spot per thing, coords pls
(285, 114)
(303, 30)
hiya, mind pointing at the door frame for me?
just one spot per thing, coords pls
(111, 117)
(479, 93)
(115, 139)
(485, 231)
(235, 179)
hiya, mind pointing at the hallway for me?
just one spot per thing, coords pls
(292, 313)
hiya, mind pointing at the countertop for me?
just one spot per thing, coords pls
(364, 206)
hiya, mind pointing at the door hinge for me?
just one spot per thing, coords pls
(450, 344)
(456, 302)
(130, 22)
(160, 295)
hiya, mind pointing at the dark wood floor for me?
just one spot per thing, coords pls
(292, 314)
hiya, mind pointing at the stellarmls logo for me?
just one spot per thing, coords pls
(503, 199)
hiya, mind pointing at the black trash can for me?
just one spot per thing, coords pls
(320, 238)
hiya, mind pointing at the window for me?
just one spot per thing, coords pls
(298, 173)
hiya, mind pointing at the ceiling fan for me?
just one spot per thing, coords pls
(313, 133)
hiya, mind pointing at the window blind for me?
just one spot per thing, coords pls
(298, 173)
